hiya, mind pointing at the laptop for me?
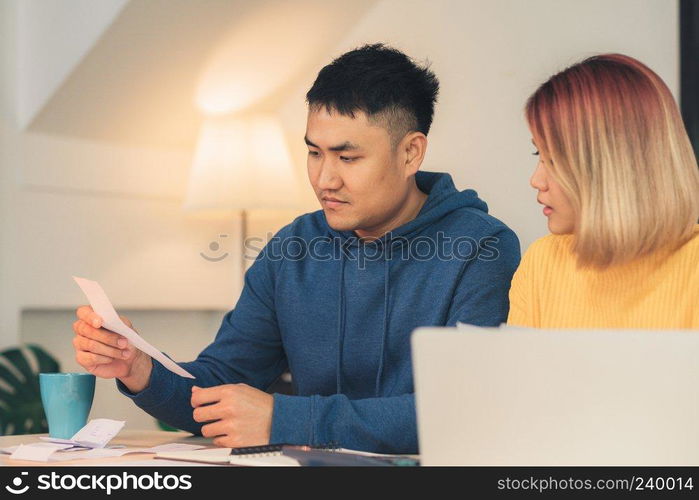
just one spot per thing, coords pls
(514, 396)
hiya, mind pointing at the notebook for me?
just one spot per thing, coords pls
(252, 456)
(280, 455)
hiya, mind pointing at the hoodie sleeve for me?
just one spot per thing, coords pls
(481, 297)
(247, 349)
(381, 425)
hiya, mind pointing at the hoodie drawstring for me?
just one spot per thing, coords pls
(386, 289)
(340, 323)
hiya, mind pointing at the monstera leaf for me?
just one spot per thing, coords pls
(21, 411)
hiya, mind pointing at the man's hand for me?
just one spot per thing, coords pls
(107, 354)
(240, 415)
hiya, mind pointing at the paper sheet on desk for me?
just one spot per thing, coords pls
(101, 305)
(118, 452)
(65, 455)
(36, 452)
(96, 434)
(56, 452)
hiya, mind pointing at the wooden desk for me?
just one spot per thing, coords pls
(128, 438)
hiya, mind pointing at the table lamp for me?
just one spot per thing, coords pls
(241, 164)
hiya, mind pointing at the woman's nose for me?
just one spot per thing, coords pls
(538, 179)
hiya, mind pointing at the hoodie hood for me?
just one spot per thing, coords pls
(442, 199)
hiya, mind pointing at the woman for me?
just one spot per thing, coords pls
(620, 187)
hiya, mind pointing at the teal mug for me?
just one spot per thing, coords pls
(67, 400)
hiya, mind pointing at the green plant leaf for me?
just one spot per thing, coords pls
(21, 411)
(47, 364)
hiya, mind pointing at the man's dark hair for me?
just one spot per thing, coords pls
(384, 83)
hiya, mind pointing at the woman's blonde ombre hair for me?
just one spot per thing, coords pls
(620, 152)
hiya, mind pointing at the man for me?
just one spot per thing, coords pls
(335, 295)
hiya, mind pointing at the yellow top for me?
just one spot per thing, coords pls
(660, 291)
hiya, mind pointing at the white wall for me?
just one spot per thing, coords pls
(490, 55)
(53, 36)
(9, 314)
(112, 213)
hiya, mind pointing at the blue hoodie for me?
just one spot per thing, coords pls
(338, 314)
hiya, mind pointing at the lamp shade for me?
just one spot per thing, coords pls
(241, 164)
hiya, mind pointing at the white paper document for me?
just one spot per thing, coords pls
(37, 452)
(101, 305)
(96, 434)
(66, 454)
(118, 452)
(174, 447)
(68, 448)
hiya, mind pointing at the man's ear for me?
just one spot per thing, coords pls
(412, 149)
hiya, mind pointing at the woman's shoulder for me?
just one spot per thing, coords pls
(552, 247)
(550, 255)
(690, 249)
(693, 244)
